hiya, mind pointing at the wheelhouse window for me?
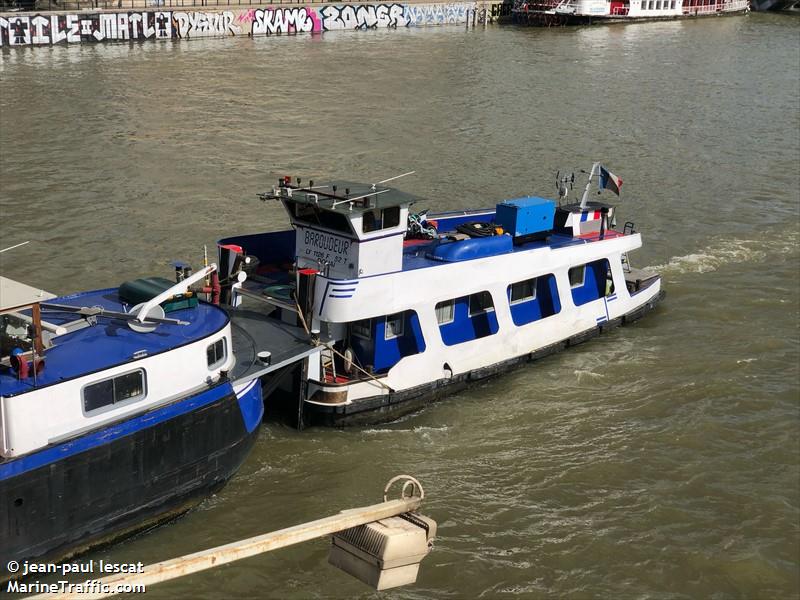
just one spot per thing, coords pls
(394, 326)
(522, 291)
(480, 303)
(445, 312)
(576, 276)
(216, 353)
(114, 390)
(362, 329)
(374, 220)
(311, 214)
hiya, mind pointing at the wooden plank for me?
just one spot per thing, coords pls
(213, 557)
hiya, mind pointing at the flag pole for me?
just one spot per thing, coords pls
(585, 198)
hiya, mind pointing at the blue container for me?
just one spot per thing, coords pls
(526, 216)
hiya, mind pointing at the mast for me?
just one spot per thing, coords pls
(585, 198)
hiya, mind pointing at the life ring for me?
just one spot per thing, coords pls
(348, 357)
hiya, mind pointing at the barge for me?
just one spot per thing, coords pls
(401, 308)
(114, 414)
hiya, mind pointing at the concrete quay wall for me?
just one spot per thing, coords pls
(132, 23)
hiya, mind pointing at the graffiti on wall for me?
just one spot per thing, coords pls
(436, 14)
(364, 16)
(53, 29)
(37, 30)
(205, 24)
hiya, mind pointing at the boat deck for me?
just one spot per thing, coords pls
(254, 330)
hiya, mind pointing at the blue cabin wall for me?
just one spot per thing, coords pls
(389, 352)
(464, 328)
(273, 247)
(545, 304)
(594, 283)
(383, 354)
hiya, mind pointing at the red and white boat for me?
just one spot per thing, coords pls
(589, 12)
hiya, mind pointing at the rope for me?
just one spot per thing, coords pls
(335, 351)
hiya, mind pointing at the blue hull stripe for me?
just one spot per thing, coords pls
(251, 405)
(108, 434)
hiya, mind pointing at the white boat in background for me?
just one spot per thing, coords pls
(407, 307)
(549, 13)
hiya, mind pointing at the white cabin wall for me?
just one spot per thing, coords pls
(34, 419)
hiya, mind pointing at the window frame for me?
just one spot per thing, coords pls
(474, 313)
(114, 403)
(532, 281)
(394, 317)
(356, 331)
(452, 306)
(572, 286)
(219, 361)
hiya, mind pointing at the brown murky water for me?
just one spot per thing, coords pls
(660, 461)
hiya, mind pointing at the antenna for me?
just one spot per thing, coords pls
(393, 178)
(14, 246)
(360, 197)
(564, 184)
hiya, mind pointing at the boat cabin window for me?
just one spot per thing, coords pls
(596, 281)
(114, 390)
(394, 326)
(215, 353)
(576, 276)
(522, 291)
(533, 299)
(374, 220)
(362, 329)
(310, 214)
(480, 303)
(445, 312)
(466, 318)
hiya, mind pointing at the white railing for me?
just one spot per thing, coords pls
(734, 5)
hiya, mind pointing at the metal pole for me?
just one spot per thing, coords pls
(585, 198)
(200, 561)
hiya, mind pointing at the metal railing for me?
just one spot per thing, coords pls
(689, 9)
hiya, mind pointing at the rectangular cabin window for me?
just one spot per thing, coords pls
(576, 276)
(394, 326)
(391, 217)
(215, 353)
(311, 214)
(672, 5)
(362, 329)
(374, 220)
(536, 302)
(114, 390)
(480, 303)
(445, 312)
(522, 291)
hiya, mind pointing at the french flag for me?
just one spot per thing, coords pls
(609, 181)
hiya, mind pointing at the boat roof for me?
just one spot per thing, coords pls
(322, 195)
(110, 342)
(15, 294)
(416, 252)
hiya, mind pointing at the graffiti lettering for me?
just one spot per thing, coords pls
(54, 29)
(200, 24)
(285, 20)
(47, 29)
(363, 16)
(436, 14)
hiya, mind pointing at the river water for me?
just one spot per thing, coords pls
(659, 461)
